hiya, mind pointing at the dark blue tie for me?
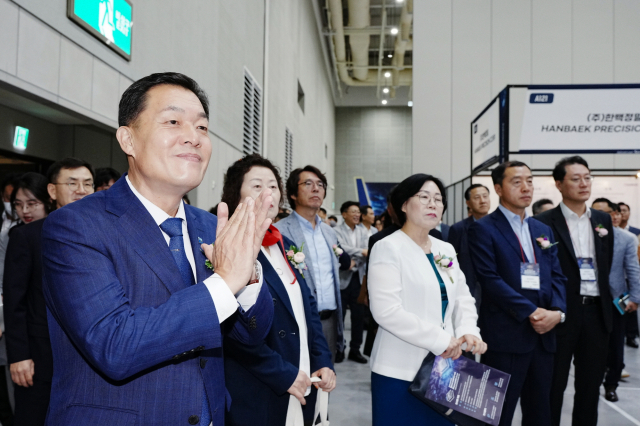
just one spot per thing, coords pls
(173, 228)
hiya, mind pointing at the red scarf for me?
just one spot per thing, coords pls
(273, 236)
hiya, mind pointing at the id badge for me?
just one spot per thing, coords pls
(587, 270)
(530, 276)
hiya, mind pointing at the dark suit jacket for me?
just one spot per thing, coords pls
(258, 376)
(25, 312)
(505, 309)
(132, 343)
(634, 231)
(458, 238)
(604, 256)
(444, 230)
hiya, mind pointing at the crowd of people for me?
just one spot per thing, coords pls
(130, 306)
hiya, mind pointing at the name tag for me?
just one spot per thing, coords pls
(530, 276)
(587, 270)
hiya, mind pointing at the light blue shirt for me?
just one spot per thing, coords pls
(321, 262)
(521, 228)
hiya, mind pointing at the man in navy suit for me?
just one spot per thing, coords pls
(135, 314)
(478, 202)
(523, 294)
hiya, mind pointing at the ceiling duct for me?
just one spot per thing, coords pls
(359, 18)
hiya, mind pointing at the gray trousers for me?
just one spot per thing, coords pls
(330, 331)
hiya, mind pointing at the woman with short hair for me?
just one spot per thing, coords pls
(420, 299)
(270, 383)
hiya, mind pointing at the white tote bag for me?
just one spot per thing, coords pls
(294, 412)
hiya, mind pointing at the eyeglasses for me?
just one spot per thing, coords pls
(29, 205)
(426, 199)
(578, 179)
(310, 183)
(74, 186)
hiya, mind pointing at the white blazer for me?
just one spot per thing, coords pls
(405, 300)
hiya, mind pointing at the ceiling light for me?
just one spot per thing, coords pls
(387, 74)
(410, 103)
(389, 55)
(385, 90)
(638, 175)
(394, 31)
(399, 1)
(384, 102)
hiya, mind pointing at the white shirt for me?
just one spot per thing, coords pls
(223, 298)
(583, 244)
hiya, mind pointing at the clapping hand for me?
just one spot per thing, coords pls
(238, 240)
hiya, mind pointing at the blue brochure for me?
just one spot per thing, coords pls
(621, 303)
(469, 387)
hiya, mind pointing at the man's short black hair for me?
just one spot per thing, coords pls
(67, 163)
(615, 207)
(560, 170)
(467, 193)
(364, 210)
(624, 204)
(537, 206)
(345, 206)
(105, 174)
(497, 174)
(410, 187)
(134, 99)
(332, 217)
(323, 210)
(294, 177)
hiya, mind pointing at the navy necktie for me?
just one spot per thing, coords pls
(173, 228)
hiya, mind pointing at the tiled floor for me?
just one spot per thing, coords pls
(350, 402)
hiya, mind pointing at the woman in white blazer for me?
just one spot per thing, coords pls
(420, 298)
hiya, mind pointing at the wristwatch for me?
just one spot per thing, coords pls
(563, 317)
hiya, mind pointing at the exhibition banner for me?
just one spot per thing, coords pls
(485, 137)
(581, 120)
(468, 387)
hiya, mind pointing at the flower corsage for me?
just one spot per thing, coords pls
(337, 250)
(445, 263)
(296, 257)
(544, 242)
(602, 231)
(207, 263)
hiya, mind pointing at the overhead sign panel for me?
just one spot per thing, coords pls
(108, 20)
(20, 138)
(583, 120)
(485, 137)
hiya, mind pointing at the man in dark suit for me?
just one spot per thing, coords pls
(25, 312)
(585, 251)
(135, 313)
(523, 294)
(625, 212)
(479, 204)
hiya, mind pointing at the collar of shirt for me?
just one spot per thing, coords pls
(512, 217)
(156, 212)
(521, 229)
(570, 214)
(304, 222)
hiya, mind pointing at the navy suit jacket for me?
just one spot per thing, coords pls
(634, 231)
(505, 309)
(132, 344)
(258, 376)
(458, 238)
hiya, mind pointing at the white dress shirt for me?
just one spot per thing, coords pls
(295, 297)
(225, 301)
(583, 244)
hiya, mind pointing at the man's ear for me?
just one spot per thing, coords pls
(498, 189)
(52, 190)
(124, 134)
(559, 186)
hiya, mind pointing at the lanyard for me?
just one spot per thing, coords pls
(522, 252)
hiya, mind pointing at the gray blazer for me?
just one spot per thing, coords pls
(625, 271)
(290, 228)
(362, 242)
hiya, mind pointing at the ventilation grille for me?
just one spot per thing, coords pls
(288, 153)
(251, 139)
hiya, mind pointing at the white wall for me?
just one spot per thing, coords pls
(466, 51)
(45, 54)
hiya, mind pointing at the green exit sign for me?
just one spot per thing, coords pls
(20, 138)
(108, 20)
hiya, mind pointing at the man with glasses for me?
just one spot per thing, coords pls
(585, 251)
(306, 190)
(523, 294)
(29, 345)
